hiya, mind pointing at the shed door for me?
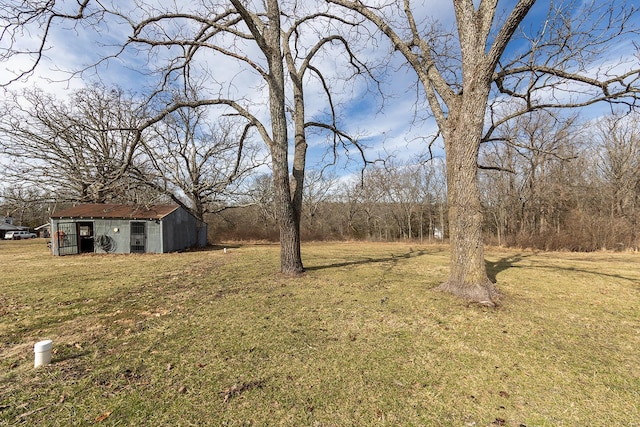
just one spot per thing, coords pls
(85, 237)
(138, 237)
(65, 238)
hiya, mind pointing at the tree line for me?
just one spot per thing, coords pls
(562, 185)
(481, 70)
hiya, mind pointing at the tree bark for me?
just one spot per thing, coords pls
(300, 148)
(462, 134)
(288, 218)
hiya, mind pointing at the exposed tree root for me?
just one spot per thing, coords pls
(480, 293)
(293, 272)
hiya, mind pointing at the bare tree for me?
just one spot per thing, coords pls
(499, 189)
(400, 185)
(199, 164)
(618, 141)
(430, 180)
(618, 148)
(369, 194)
(523, 166)
(27, 205)
(78, 149)
(351, 197)
(555, 64)
(260, 194)
(318, 189)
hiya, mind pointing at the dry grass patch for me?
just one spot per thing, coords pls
(360, 339)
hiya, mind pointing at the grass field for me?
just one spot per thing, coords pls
(361, 339)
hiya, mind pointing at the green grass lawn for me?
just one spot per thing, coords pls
(361, 339)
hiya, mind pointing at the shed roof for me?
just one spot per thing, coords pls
(100, 210)
(9, 227)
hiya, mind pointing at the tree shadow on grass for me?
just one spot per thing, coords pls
(493, 268)
(393, 258)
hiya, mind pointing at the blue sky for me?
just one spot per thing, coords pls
(392, 131)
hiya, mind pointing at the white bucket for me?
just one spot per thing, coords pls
(42, 352)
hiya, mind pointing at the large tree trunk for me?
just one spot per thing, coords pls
(289, 223)
(287, 217)
(300, 148)
(468, 274)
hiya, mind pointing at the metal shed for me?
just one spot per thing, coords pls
(112, 228)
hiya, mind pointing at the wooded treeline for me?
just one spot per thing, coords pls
(560, 185)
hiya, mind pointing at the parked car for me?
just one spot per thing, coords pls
(17, 235)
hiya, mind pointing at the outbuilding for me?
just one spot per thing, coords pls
(113, 228)
(6, 227)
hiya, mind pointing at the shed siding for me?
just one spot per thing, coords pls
(122, 238)
(182, 230)
(119, 240)
(154, 242)
(177, 230)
